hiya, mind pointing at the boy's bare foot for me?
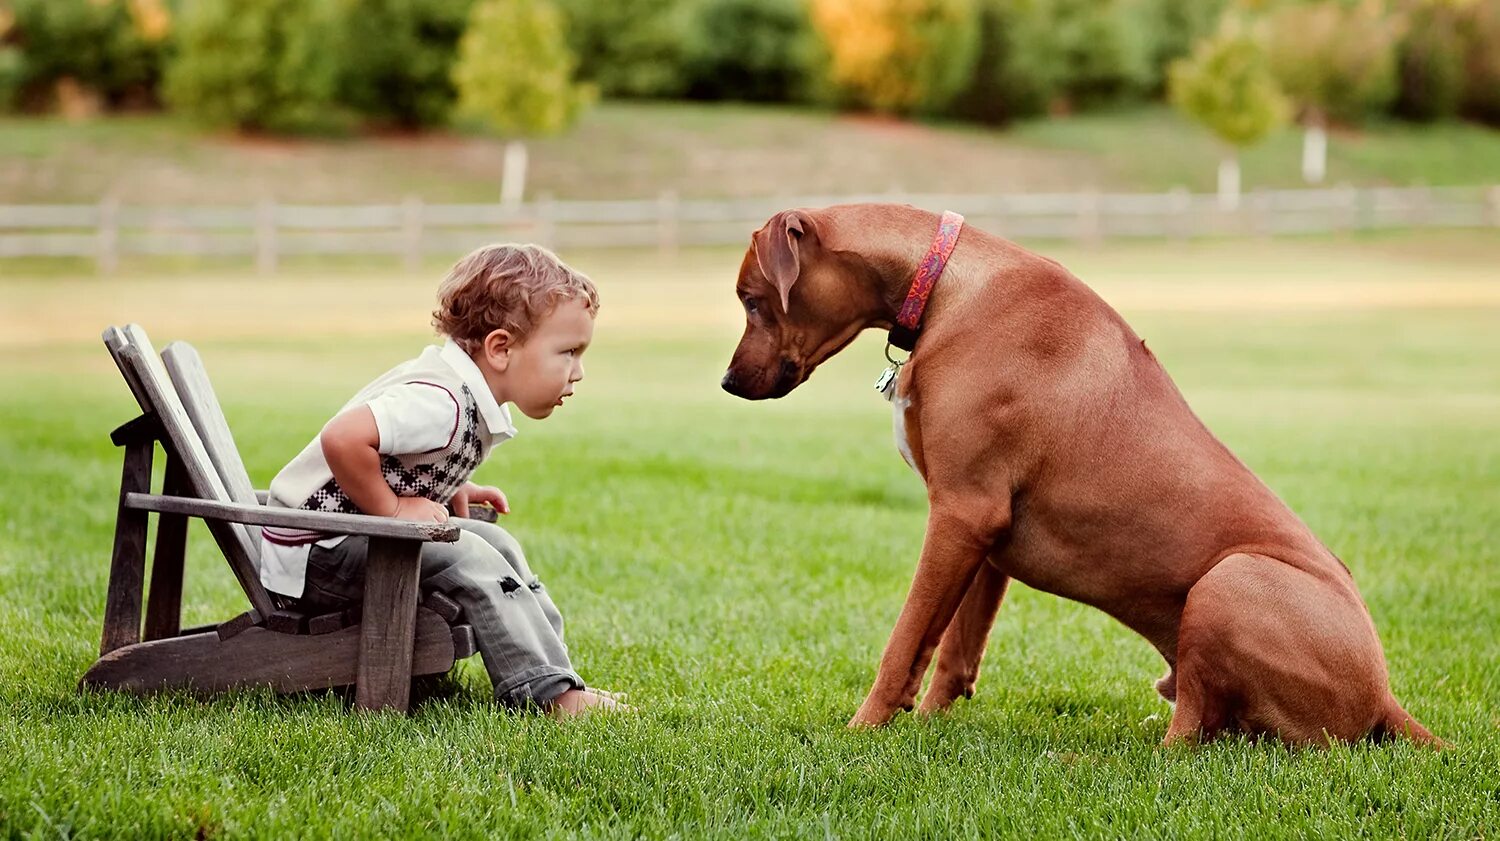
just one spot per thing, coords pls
(613, 696)
(576, 702)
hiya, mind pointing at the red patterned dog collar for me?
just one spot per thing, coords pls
(909, 320)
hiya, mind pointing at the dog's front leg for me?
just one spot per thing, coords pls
(958, 539)
(963, 643)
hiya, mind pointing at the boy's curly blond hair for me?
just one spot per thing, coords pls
(506, 287)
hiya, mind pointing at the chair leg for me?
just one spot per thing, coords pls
(389, 627)
(127, 568)
(164, 603)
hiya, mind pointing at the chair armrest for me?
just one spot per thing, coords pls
(482, 513)
(292, 518)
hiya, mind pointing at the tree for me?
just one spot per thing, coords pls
(105, 51)
(515, 76)
(631, 48)
(1430, 61)
(399, 70)
(899, 56)
(753, 50)
(1100, 49)
(1482, 61)
(1227, 85)
(1335, 60)
(260, 65)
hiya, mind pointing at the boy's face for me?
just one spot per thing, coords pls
(540, 372)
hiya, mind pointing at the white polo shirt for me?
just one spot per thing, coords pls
(435, 416)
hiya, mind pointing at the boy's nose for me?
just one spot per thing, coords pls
(577, 373)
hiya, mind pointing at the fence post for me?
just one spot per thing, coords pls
(666, 223)
(1423, 215)
(1090, 223)
(546, 222)
(266, 256)
(1182, 217)
(1364, 214)
(1350, 216)
(109, 235)
(411, 233)
(1492, 196)
(1260, 213)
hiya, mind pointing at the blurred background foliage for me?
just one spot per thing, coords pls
(339, 66)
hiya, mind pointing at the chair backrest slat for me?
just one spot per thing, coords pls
(196, 391)
(137, 359)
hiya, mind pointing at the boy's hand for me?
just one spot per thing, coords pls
(471, 493)
(419, 509)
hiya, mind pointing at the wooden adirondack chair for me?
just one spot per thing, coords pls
(378, 646)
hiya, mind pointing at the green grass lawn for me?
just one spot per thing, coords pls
(737, 567)
(636, 150)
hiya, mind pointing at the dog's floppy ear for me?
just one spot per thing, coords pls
(777, 250)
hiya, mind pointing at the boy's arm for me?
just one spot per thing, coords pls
(351, 444)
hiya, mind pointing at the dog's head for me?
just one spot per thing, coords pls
(803, 300)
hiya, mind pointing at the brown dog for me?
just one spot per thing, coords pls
(1057, 451)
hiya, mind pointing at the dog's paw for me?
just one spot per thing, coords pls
(870, 718)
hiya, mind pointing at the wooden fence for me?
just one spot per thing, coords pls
(409, 231)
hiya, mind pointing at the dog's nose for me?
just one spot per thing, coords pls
(730, 383)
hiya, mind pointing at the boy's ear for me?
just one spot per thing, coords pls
(496, 348)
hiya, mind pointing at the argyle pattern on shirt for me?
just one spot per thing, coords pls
(436, 475)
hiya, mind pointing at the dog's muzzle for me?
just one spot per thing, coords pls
(786, 380)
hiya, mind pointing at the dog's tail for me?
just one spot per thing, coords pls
(1398, 722)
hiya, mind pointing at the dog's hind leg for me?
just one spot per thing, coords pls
(963, 643)
(1268, 648)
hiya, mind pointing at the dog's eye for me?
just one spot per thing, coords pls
(751, 305)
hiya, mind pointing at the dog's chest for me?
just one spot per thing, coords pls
(899, 404)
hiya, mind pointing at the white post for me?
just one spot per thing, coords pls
(513, 175)
(1493, 199)
(1314, 151)
(1229, 182)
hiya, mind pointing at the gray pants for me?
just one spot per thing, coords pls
(517, 627)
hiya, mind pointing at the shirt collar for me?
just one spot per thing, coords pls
(496, 417)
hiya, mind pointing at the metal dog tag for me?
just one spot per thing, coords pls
(886, 382)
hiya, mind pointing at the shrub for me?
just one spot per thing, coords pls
(259, 65)
(898, 56)
(1482, 61)
(1094, 51)
(514, 72)
(1430, 63)
(630, 48)
(399, 67)
(111, 48)
(1227, 85)
(755, 50)
(1334, 59)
